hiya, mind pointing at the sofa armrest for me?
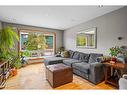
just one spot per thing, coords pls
(96, 74)
(125, 76)
(122, 83)
(53, 60)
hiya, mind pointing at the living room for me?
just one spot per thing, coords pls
(89, 44)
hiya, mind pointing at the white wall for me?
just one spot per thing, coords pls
(109, 27)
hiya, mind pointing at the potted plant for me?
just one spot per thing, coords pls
(15, 63)
(7, 41)
(114, 51)
(8, 37)
(23, 55)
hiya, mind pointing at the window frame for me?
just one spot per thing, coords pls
(45, 33)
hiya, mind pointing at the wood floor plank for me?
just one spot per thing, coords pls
(33, 77)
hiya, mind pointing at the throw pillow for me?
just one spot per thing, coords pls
(76, 55)
(57, 55)
(103, 58)
(121, 58)
(71, 53)
(66, 54)
(84, 57)
(93, 57)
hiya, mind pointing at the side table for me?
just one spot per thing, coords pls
(113, 71)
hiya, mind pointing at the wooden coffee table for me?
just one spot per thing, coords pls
(59, 74)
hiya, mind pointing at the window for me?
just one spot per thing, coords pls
(37, 43)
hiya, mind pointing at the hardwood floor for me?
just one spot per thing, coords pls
(33, 77)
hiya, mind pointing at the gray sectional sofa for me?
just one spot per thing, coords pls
(83, 64)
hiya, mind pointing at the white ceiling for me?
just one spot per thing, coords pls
(57, 17)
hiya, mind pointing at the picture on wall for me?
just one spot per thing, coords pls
(86, 38)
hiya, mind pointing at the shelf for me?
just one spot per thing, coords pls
(1, 74)
(112, 81)
(2, 85)
(4, 73)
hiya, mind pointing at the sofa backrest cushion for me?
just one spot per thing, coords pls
(93, 57)
(71, 53)
(76, 55)
(84, 57)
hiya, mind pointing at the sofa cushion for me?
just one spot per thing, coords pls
(84, 67)
(84, 57)
(69, 62)
(76, 55)
(93, 57)
(71, 53)
(53, 60)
